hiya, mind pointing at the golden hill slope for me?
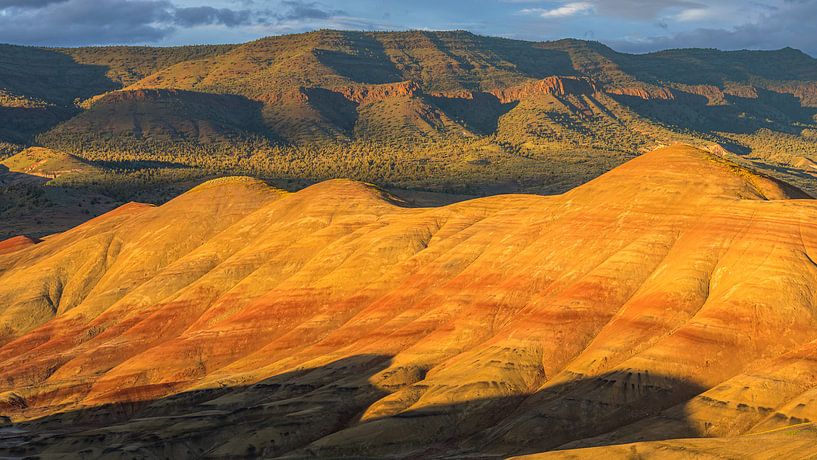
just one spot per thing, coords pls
(670, 298)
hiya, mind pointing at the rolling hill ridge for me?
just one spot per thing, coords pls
(669, 299)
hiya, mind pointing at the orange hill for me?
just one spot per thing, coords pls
(671, 298)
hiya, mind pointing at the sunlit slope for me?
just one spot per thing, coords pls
(670, 298)
(443, 111)
(47, 163)
(313, 88)
(796, 442)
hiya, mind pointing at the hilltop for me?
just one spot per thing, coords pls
(668, 299)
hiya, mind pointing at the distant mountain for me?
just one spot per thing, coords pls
(40, 87)
(668, 303)
(447, 111)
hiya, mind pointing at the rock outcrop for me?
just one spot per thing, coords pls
(556, 85)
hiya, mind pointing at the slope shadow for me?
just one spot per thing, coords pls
(50, 78)
(369, 64)
(435, 39)
(21, 125)
(772, 110)
(335, 108)
(531, 59)
(317, 412)
(30, 207)
(714, 67)
(481, 113)
(141, 117)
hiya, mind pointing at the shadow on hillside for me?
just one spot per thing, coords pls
(742, 115)
(155, 118)
(481, 113)
(531, 59)
(30, 207)
(317, 412)
(335, 108)
(22, 124)
(715, 67)
(49, 78)
(369, 65)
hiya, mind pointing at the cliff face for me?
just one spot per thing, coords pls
(643, 92)
(373, 93)
(557, 86)
(806, 92)
(671, 297)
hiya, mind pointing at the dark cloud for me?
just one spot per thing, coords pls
(75, 22)
(641, 9)
(81, 22)
(294, 10)
(28, 4)
(778, 27)
(206, 15)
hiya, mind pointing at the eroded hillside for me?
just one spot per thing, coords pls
(670, 298)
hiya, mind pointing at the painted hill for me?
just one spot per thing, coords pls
(671, 298)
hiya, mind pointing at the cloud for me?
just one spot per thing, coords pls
(206, 15)
(632, 9)
(27, 4)
(74, 22)
(295, 10)
(82, 22)
(694, 14)
(568, 9)
(643, 9)
(771, 29)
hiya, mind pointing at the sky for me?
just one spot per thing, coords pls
(625, 25)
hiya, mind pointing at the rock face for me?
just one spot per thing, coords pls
(557, 86)
(365, 94)
(670, 298)
(646, 92)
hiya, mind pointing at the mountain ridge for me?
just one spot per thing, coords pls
(446, 90)
(445, 114)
